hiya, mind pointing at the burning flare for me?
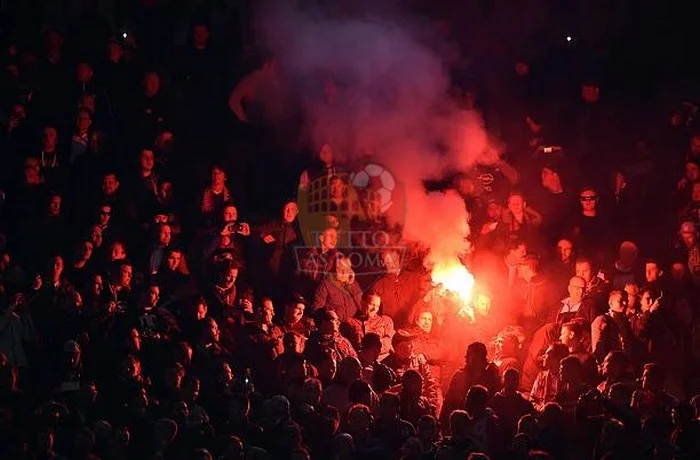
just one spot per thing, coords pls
(455, 282)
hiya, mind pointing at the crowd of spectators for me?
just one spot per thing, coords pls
(144, 315)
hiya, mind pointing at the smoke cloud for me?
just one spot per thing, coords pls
(393, 104)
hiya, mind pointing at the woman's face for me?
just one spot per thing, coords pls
(425, 321)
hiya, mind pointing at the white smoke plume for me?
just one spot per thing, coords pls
(394, 103)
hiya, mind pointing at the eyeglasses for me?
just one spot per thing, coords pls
(588, 198)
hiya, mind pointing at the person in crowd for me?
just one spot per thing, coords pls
(137, 306)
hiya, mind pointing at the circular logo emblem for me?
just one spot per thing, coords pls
(362, 209)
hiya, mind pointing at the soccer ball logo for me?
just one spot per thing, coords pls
(377, 179)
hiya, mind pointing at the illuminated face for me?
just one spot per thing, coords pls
(695, 145)
(83, 121)
(337, 188)
(295, 312)
(425, 321)
(200, 35)
(588, 199)
(651, 272)
(125, 275)
(174, 259)
(692, 173)
(290, 212)
(55, 205)
(164, 235)
(50, 137)
(370, 305)
(109, 184)
(218, 176)
(230, 214)
(565, 250)
(153, 295)
(516, 204)
(329, 238)
(645, 301)
(267, 312)
(576, 288)
(583, 270)
(84, 72)
(146, 160)
(343, 270)
(617, 302)
(86, 250)
(231, 277)
(118, 251)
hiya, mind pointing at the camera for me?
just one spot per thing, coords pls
(234, 227)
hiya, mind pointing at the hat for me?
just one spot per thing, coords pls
(401, 336)
(325, 314)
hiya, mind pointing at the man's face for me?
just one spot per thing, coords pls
(565, 250)
(695, 194)
(125, 274)
(583, 269)
(164, 235)
(57, 266)
(332, 324)
(329, 238)
(267, 312)
(493, 211)
(218, 176)
(651, 272)
(295, 312)
(425, 321)
(86, 250)
(231, 277)
(109, 184)
(692, 173)
(83, 121)
(588, 199)
(337, 189)
(516, 204)
(174, 259)
(688, 236)
(567, 336)
(230, 214)
(118, 251)
(695, 145)
(214, 332)
(146, 160)
(370, 305)
(617, 302)
(153, 295)
(55, 206)
(549, 178)
(645, 301)
(50, 137)
(290, 211)
(576, 288)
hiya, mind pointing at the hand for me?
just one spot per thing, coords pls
(245, 229)
(654, 306)
(247, 305)
(268, 239)
(38, 282)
